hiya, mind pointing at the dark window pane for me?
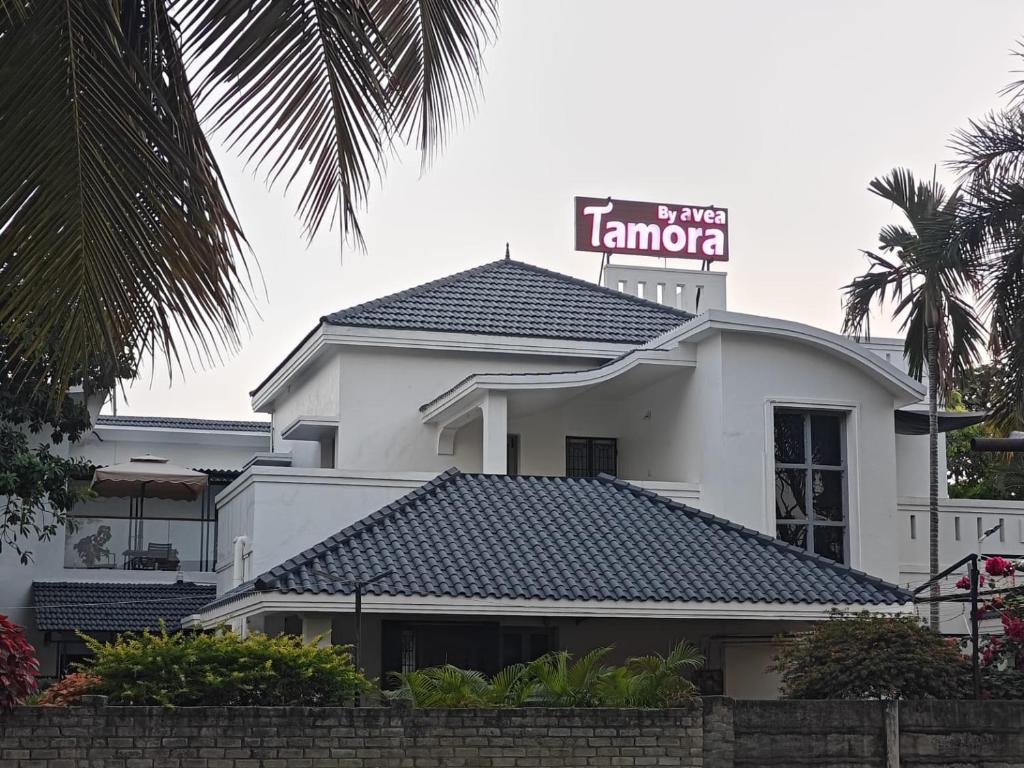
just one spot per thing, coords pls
(789, 438)
(829, 541)
(826, 439)
(790, 495)
(793, 534)
(577, 457)
(512, 457)
(603, 456)
(828, 495)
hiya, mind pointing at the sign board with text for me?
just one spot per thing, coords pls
(668, 230)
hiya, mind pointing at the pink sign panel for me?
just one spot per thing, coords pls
(668, 230)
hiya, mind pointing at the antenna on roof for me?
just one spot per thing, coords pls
(507, 255)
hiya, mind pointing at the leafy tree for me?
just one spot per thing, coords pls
(865, 656)
(38, 486)
(222, 669)
(928, 279)
(975, 474)
(18, 665)
(116, 229)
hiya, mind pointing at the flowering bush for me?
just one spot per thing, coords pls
(18, 665)
(69, 690)
(1001, 654)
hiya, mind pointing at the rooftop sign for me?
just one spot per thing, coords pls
(652, 229)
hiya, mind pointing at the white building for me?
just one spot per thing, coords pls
(526, 376)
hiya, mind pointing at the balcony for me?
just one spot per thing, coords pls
(119, 534)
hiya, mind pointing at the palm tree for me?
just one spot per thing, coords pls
(991, 228)
(116, 230)
(929, 280)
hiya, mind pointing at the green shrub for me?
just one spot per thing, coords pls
(864, 656)
(222, 669)
(556, 680)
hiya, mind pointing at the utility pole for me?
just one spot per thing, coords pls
(358, 584)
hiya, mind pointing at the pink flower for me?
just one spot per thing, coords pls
(998, 566)
(1014, 627)
(965, 581)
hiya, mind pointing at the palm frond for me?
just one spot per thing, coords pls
(435, 51)
(296, 87)
(919, 201)
(115, 231)
(990, 148)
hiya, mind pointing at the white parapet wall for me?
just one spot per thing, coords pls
(691, 290)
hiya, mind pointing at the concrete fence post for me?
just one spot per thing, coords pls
(891, 716)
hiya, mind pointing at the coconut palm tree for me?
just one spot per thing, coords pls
(990, 156)
(930, 282)
(116, 229)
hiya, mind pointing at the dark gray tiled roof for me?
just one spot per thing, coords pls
(170, 422)
(495, 536)
(116, 606)
(510, 298)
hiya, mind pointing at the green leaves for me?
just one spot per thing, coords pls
(925, 274)
(222, 669)
(557, 680)
(865, 656)
(115, 231)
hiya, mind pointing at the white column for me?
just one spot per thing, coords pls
(495, 410)
(314, 624)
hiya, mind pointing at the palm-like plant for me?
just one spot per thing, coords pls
(930, 280)
(116, 230)
(991, 227)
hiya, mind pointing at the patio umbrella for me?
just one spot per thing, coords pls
(147, 477)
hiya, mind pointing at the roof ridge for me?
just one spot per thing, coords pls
(743, 530)
(494, 265)
(412, 291)
(384, 513)
(109, 417)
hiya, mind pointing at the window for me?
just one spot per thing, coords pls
(512, 453)
(590, 456)
(810, 481)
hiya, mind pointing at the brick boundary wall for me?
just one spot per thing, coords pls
(294, 737)
(715, 733)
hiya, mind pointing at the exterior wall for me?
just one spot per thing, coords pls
(739, 648)
(382, 390)
(738, 478)
(189, 448)
(824, 734)
(912, 473)
(277, 737)
(283, 511)
(316, 392)
(715, 733)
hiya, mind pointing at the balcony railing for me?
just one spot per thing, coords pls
(147, 544)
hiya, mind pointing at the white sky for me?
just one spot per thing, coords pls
(781, 111)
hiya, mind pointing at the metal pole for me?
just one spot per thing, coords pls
(975, 666)
(359, 623)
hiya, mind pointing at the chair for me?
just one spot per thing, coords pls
(164, 556)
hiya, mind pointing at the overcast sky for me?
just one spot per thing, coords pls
(779, 110)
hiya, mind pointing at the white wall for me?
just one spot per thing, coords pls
(284, 511)
(316, 392)
(382, 390)
(737, 376)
